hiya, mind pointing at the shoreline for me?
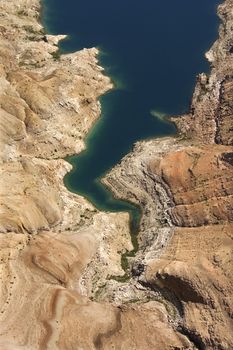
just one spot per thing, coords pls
(132, 218)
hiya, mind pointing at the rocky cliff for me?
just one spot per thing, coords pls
(59, 254)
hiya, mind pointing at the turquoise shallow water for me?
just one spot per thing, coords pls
(153, 51)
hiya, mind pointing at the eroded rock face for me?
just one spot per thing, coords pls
(58, 254)
(201, 185)
(210, 117)
(197, 268)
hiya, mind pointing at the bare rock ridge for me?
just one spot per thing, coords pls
(58, 253)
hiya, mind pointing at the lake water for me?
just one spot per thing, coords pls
(152, 49)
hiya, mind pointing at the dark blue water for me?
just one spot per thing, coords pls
(153, 50)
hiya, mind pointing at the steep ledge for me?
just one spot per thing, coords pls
(210, 117)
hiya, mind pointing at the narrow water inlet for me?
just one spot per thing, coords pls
(110, 204)
(152, 51)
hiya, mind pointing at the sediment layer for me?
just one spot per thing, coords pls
(58, 253)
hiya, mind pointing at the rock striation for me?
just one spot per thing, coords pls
(60, 258)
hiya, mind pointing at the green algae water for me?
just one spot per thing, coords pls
(152, 50)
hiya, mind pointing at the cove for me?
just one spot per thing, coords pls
(152, 50)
